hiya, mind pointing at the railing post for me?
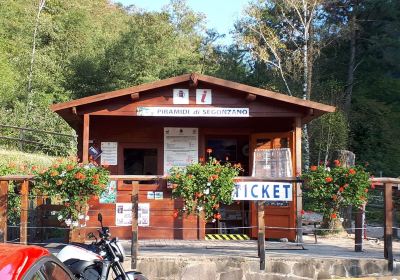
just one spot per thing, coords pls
(388, 249)
(358, 230)
(3, 210)
(261, 233)
(24, 213)
(134, 241)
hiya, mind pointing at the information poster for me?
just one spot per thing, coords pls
(180, 147)
(123, 214)
(109, 194)
(109, 153)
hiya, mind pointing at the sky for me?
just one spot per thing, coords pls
(220, 14)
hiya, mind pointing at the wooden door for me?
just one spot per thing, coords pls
(278, 215)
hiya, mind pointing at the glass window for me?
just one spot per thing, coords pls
(140, 161)
(37, 276)
(52, 271)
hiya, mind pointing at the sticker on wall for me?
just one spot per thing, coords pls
(109, 194)
(123, 214)
(203, 96)
(181, 96)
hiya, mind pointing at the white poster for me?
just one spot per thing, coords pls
(203, 96)
(109, 153)
(180, 96)
(123, 214)
(180, 147)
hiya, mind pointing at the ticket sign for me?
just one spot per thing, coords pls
(267, 191)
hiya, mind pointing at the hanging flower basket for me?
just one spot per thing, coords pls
(204, 187)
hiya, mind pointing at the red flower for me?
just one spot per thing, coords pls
(333, 216)
(217, 216)
(302, 212)
(373, 186)
(209, 150)
(336, 162)
(328, 179)
(202, 159)
(334, 197)
(313, 168)
(175, 214)
(352, 171)
(341, 189)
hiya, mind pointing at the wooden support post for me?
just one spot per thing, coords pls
(3, 210)
(298, 193)
(388, 249)
(24, 213)
(134, 241)
(358, 230)
(85, 138)
(261, 233)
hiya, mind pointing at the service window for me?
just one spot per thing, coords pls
(140, 161)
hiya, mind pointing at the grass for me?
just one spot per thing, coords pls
(20, 158)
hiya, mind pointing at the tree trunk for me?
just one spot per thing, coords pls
(351, 67)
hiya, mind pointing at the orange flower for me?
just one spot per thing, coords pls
(33, 168)
(362, 198)
(95, 182)
(213, 177)
(213, 197)
(175, 214)
(235, 180)
(96, 176)
(199, 194)
(333, 216)
(209, 151)
(352, 171)
(69, 167)
(59, 182)
(341, 189)
(336, 162)
(202, 159)
(366, 190)
(174, 186)
(54, 173)
(79, 176)
(55, 165)
(313, 168)
(217, 216)
(190, 176)
(328, 179)
(11, 165)
(216, 206)
(334, 197)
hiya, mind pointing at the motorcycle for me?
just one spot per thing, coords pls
(98, 260)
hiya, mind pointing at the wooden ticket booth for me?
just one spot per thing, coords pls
(146, 129)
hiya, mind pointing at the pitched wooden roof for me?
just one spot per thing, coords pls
(194, 77)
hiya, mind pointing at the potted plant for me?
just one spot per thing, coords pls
(327, 190)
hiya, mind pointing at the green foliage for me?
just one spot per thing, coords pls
(204, 187)
(327, 190)
(73, 183)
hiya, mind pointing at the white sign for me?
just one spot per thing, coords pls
(143, 214)
(181, 96)
(267, 191)
(203, 96)
(180, 147)
(150, 195)
(109, 153)
(123, 214)
(192, 112)
(158, 195)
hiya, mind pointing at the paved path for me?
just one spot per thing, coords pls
(337, 247)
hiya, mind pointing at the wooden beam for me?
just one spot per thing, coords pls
(24, 213)
(135, 96)
(85, 138)
(134, 241)
(388, 238)
(193, 80)
(358, 230)
(3, 210)
(250, 97)
(298, 193)
(261, 233)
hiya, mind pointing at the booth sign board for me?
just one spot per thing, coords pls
(192, 112)
(266, 191)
